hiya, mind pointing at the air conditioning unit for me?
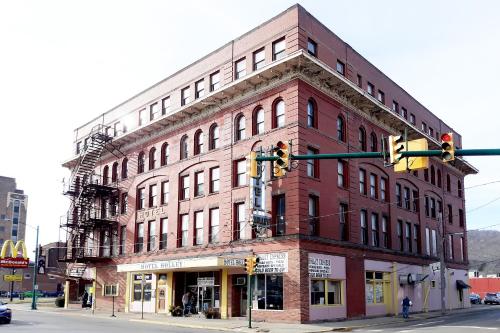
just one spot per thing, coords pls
(241, 281)
(408, 279)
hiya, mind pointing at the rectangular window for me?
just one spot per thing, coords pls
(240, 68)
(268, 292)
(408, 237)
(241, 173)
(413, 120)
(395, 107)
(185, 96)
(124, 203)
(364, 227)
(462, 252)
(279, 49)
(154, 111)
(199, 88)
(431, 131)
(400, 235)
(434, 243)
(214, 81)
(381, 96)
(424, 127)
(404, 113)
(153, 197)
(165, 105)
(239, 209)
(416, 238)
(279, 215)
(198, 228)
(375, 234)
(117, 128)
(163, 233)
(407, 199)
(313, 208)
(426, 202)
(199, 180)
(450, 214)
(374, 287)
(340, 67)
(184, 230)
(325, 292)
(165, 192)
(312, 165)
(433, 208)
(385, 232)
(184, 187)
(362, 181)
(344, 222)
(451, 255)
(78, 147)
(427, 241)
(342, 174)
(143, 117)
(383, 189)
(214, 225)
(139, 237)
(373, 186)
(416, 200)
(461, 218)
(123, 238)
(370, 88)
(141, 198)
(151, 235)
(360, 81)
(312, 47)
(214, 180)
(259, 59)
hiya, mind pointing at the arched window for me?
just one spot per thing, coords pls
(184, 147)
(426, 175)
(373, 142)
(439, 183)
(125, 168)
(362, 139)
(114, 172)
(258, 121)
(140, 162)
(165, 154)
(279, 114)
(240, 128)
(460, 190)
(105, 175)
(340, 129)
(198, 142)
(152, 158)
(312, 119)
(214, 137)
(433, 175)
(448, 183)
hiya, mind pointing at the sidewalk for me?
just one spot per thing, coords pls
(239, 325)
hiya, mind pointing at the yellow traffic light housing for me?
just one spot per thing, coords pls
(255, 262)
(254, 167)
(447, 147)
(414, 163)
(397, 145)
(282, 164)
(251, 263)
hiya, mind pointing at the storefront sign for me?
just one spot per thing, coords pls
(236, 262)
(76, 270)
(13, 278)
(13, 261)
(206, 282)
(272, 263)
(320, 268)
(170, 264)
(151, 213)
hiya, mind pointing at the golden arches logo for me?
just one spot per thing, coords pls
(14, 249)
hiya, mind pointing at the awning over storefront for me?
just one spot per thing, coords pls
(462, 285)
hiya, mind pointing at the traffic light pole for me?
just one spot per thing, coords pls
(35, 273)
(249, 300)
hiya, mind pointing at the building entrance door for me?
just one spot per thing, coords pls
(162, 299)
(243, 302)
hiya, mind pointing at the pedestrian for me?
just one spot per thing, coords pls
(406, 306)
(185, 302)
(85, 299)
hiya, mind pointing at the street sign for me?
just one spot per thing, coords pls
(35, 287)
(13, 278)
(435, 266)
(76, 270)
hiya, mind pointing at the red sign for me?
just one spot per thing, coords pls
(14, 262)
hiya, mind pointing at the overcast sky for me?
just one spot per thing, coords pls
(64, 62)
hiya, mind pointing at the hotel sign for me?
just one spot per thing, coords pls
(151, 213)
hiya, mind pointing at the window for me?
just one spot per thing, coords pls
(163, 233)
(364, 227)
(344, 222)
(342, 172)
(185, 96)
(239, 210)
(374, 287)
(373, 186)
(381, 97)
(78, 147)
(151, 235)
(340, 67)
(450, 247)
(433, 208)
(408, 237)
(424, 127)
(141, 161)
(184, 147)
(427, 241)
(362, 181)
(312, 47)
(184, 187)
(139, 237)
(311, 114)
(385, 232)
(462, 252)
(165, 105)
(199, 179)
(400, 235)
(124, 203)
(460, 190)
(240, 128)
(279, 114)
(416, 238)
(433, 175)
(278, 215)
(198, 142)
(370, 88)
(214, 137)
(105, 175)
(240, 68)
(399, 201)
(154, 111)
(450, 214)
(143, 117)
(448, 183)
(373, 142)
(313, 208)
(258, 121)
(165, 192)
(406, 194)
(214, 180)
(141, 198)
(123, 238)
(427, 210)
(341, 129)
(375, 234)
(461, 221)
(360, 81)
(241, 173)
(325, 292)
(199, 88)
(214, 225)
(153, 196)
(116, 128)
(383, 189)
(439, 182)
(198, 228)
(312, 165)
(184, 230)
(152, 158)
(362, 139)
(404, 113)
(114, 172)
(214, 81)
(426, 175)
(269, 291)
(125, 168)
(259, 59)
(434, 243)
(416, 200)
(279, 49)
(165, 154)
(413, 120)
(395, 107)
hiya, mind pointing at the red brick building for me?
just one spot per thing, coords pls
(169, 200)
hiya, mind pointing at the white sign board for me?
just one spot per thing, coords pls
(206, 282)
(272, 263)
(320, 268)
(435, 266)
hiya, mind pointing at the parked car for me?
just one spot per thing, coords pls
(29, 294)
(475, 299)
(53, 293)
(491, 298)
(5, 313)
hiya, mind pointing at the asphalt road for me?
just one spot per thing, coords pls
(486, 320)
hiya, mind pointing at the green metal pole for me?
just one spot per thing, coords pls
(35, 273)
(249, 300)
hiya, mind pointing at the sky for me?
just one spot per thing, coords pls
(65, 62)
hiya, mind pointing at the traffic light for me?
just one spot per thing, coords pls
(282, 164)
(447, 147)
(397, 145)
(255, 262)
(254, 167)
(251, 263)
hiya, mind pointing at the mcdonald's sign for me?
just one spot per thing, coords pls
(14, 261)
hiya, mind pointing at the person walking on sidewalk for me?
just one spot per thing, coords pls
(185, 303)
(406, 306)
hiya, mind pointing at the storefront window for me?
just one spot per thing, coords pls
(269, 291)
(147, 292)
(374, 287)
(137, 292)
(325, 292)
(318, 295)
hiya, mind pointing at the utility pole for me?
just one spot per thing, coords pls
(442, 266)
(35, 272)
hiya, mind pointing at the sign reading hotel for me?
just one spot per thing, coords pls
(13, 261)
(272, 263)
(151, 213)
(320, 268)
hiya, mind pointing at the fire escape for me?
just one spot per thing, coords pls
(90, 221)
